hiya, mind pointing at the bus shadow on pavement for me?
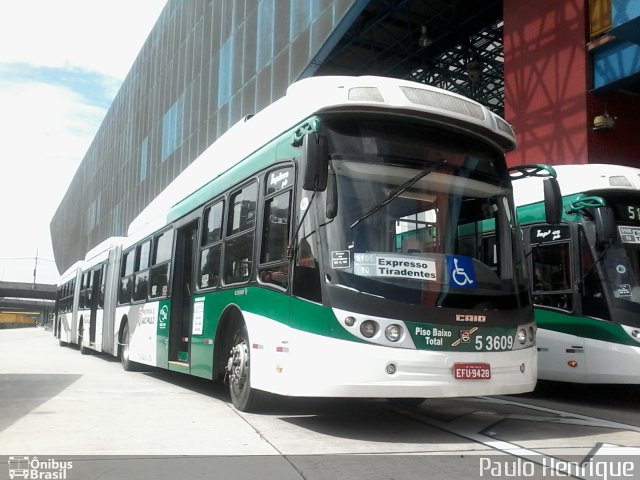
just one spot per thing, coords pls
(592, 395)
(277, 405)
(202, 386)
(21, 393)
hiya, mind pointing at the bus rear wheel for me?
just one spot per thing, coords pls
(126, 362)
(244, 397)
(83, 350)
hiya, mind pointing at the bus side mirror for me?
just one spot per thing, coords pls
(605, 226)
(315, 162)
(552, 201)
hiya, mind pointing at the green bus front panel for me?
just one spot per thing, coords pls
(208, 308)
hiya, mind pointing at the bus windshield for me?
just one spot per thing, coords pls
(421, 216)
(621, 261)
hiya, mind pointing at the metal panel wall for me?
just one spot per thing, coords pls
(205, 65)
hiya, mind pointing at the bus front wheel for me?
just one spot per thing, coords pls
(244, 398)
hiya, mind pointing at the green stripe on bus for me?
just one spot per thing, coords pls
(583, 327)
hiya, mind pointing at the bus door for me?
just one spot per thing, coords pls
(182, 293)
(95, 301)
(602, 366)
(110, 276)
(554, 275)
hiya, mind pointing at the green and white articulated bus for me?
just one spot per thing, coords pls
(84, 314)
(585, 274)
(332, 246)
(66, 309)
(96, 298)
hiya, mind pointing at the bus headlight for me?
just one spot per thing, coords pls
(532, 334)
(368, 328)
(522, 336)
(393, 332)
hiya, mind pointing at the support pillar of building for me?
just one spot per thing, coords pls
(572, 93)
(546, 80)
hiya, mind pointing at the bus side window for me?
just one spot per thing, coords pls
(274, 265)
(160, 259)
(141, 278)
(594, 302)
(89, 290)
(82, 302)
(238, 250)
(551, 275)
(103, 283)
(211, 246)
(126, 277)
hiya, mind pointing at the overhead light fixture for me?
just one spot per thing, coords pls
(424, 40)
(474, 71)
(604, 121)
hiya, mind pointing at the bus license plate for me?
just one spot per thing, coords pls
(471, 371)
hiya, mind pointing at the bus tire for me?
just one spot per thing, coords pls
(243, 397)
(126, 362)
(83, 350)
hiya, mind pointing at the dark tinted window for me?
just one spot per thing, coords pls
(552, 285)
(242, 214)
(212, 231)
(238, 252)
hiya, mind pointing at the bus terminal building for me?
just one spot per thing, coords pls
(563, 73)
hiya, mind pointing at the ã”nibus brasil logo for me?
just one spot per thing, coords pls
(32, 468)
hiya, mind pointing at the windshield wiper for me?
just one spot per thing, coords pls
(395, 193)
(580, 283)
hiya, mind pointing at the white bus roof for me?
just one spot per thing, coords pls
(70, 272)
(304, 99)
(104, 246)
(579, 178)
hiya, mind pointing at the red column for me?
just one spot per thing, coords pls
(545, 70)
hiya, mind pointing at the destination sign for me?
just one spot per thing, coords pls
(629, 234)
(394, 266)
(549, 233)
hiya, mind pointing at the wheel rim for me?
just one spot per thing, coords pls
(238, 366)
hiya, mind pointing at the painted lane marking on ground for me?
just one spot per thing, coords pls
(472, 426)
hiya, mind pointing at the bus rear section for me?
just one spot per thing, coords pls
(67, 297)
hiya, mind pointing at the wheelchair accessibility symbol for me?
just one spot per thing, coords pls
(461, 272)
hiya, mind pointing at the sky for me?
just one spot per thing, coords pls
(61, 65)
